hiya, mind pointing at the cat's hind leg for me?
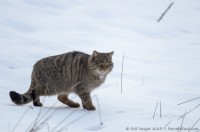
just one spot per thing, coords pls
(65, 100)
(36, 98)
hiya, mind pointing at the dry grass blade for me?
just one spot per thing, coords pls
(168, 124)
(155, 110)
(41, 126)
(42, 122)
(122, 72)
(48, 128)
(194, 125)
(189, 111)
(182, 116)
(99, 109)
(142, 81)
(160, 110)
(75, 120)
(63, 120)
(182, 122)
(48, 117)
(33, 125)
(188, 101)
(163, 14)
(46, 113)
(20, 119)
(65, 126)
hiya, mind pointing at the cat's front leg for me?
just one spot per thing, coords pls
(86, 100)
(65, 100)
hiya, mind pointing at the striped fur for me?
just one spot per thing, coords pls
(60, 75)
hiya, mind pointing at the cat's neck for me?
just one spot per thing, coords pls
(102, 76)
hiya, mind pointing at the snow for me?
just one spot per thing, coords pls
(161, 62)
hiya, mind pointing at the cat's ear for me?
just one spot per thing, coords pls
(95, 54)
(111, 54)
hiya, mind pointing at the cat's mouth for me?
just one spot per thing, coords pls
(102, 72)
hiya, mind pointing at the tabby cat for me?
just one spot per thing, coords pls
(60, 75)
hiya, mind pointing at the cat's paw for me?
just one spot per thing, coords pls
(37, 104)
(74, 105)
(92, 108)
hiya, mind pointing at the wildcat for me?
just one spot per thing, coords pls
(60, 75)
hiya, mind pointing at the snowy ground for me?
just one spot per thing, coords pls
(162, 61)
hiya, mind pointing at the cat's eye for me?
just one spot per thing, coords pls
(104, 65)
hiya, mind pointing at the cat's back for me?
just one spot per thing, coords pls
(61, 60)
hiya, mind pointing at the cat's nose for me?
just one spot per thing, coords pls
(103, 67)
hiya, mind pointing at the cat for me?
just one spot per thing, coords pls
(72, 72)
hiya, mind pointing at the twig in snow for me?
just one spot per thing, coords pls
(33, 125)
(41, 124)
(78, 118)
(37, 125)
(155, 110)
(63, 120)
(163, 14)
(142, 80)
(188, 100)
(20, 119)
(65, 126)
(48, 128)
(194, 125)
(99, 109)
(168, 124)
(160, 110)
(46, 113)
(189, 111)
(182, 122)
(122, 71)
(35, 121)
(182, 116)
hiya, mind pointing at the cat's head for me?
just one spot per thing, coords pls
(101, 63)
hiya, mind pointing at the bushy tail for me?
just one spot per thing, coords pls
(20, 99)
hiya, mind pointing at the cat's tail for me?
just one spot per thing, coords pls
(21, 99)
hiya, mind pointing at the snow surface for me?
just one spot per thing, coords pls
(162, 62)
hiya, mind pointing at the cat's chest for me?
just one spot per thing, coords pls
(102, 78)
(99, 80)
